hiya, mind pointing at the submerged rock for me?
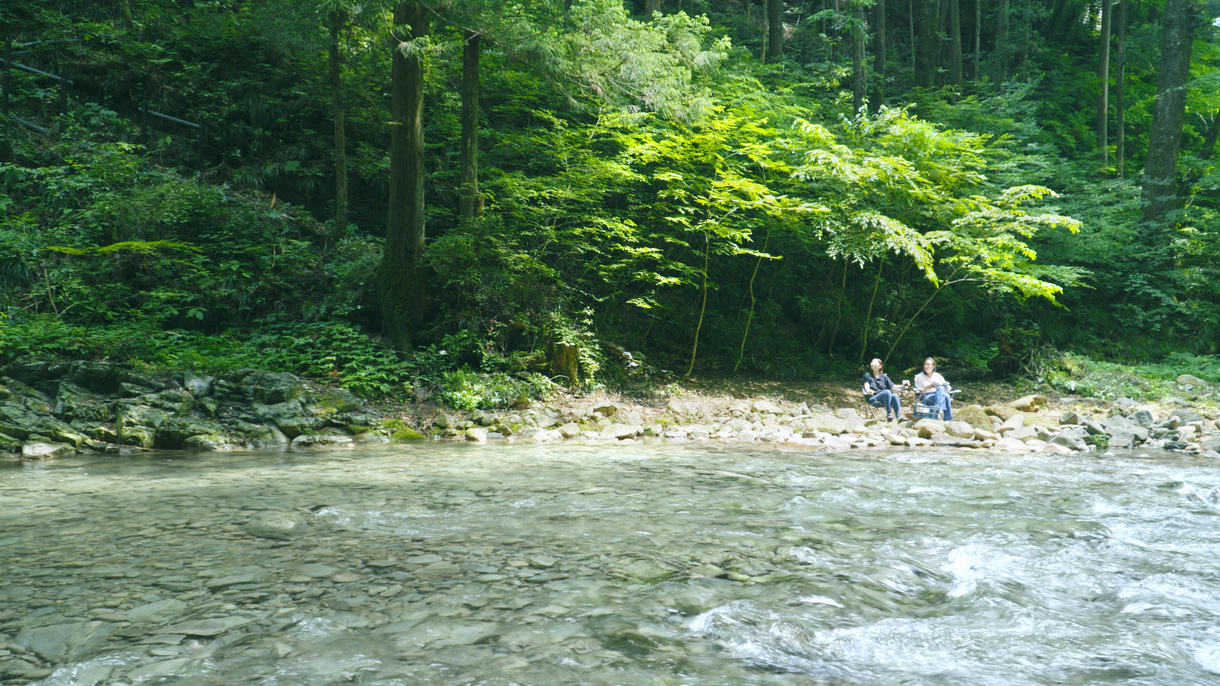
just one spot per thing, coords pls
(276, 525)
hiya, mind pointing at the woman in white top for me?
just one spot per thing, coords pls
(932, 389)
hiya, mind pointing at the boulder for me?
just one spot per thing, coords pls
(322, 441)
(1028, 403)
(1073, 439)
(198, 385)
(477, 435)
(1009, 444)
(1121, 439)
(826, 423)
(1092, 427)
(444, 421)
(212, 443)
(173, 431)
(272, 388)
(36, 450)
(1143, 418)
(682, 409)
(606, 409)
(1187, 416)
(1002, 411)
(1069, 417)
(847, 414)
(974, 415)
(1190, 380)
(278, 525)
(959, 429)
(1012, 423)
(927, 428)
(570, 430)
(1210, 443)
(621, 431)
(766, 407)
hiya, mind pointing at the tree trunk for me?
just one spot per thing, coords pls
(1120, 67)
(978, 36)
(128, 21)
(1001, 39)
(1103, 83)
(911, 14)
(927, 44)
(470, 203)
(400, 280)
(955, 42)
(1160, 168)
(879, 57)
(651, 6)
(859, 80)
(775, 31)
(337, 21)
(1209, 140)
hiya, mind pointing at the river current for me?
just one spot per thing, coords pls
(641, 563)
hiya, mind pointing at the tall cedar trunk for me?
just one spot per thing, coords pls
(879, 55)
(128, 21)
(651, 6)
(1120, 67)
(775, 31)
(470, 203)
(338, 113)
(911, 21)
(978, 37)
(955, 42)
(859, 80)
(1103, 83)
(1001, 38)
(927, 44)
(1160, 168)
(400, 279)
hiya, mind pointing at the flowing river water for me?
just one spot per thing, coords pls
(639, 563)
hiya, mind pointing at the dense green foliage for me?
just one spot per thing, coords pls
(649, 184)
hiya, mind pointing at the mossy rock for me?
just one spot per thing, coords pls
(406, 435)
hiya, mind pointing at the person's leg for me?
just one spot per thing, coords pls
(942, 400)
(897, 407)
(886, 398)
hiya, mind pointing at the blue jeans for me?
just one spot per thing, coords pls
(888, 400)
(941, 399)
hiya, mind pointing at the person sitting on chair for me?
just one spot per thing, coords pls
(881, 392)
(932, 389)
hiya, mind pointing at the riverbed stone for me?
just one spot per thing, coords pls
(766, 407)
(1187, 416)
(64, 642)
(280, 525)
(1211, 443)
(208, 627)
(927, 428)
(477, 435)
(157, 612)
(1190, 380)
(570, 430)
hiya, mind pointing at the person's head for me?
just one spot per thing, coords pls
(929, 366)
(875, 365)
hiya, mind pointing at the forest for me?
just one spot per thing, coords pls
(490, 198)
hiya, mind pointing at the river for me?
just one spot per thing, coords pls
(639, 563)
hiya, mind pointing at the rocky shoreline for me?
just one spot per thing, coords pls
(50, 408)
